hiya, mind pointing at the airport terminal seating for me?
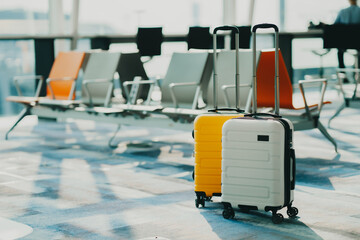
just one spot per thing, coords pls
(96, 87)
(303, 114)
(185, 79)
(61, 83)
(186, 85)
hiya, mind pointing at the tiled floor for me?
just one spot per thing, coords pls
(62, 180)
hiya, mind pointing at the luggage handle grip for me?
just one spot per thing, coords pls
(263, 114)
(226, 28)
(226, 110)
(292, 156)
(265, 25)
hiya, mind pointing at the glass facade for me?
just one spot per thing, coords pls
(124, 17)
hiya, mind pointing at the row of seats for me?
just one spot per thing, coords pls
(186, 89)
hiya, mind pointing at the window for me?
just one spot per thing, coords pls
(124, 17)
(298, 13)
(24, 17)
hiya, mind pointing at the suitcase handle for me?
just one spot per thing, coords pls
(263, 114)
(237, 70)
(292, 156)
(226, 109)
(265, 25)
(277, 101)
(226, 28)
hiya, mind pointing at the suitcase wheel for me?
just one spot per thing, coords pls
(228, 213)
(277, 218)
(199, 201)
(292, 211)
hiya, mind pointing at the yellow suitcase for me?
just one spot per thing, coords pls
(207, 171)
(207, 135)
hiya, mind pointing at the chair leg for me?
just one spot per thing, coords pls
(337, 112)
(113, 137)
(326, 134)
(23, 113)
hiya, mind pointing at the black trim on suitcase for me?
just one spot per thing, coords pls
(287, 159)
(292, 156)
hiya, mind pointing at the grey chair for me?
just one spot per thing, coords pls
(186, 78)
(98, 78)
(226, 82)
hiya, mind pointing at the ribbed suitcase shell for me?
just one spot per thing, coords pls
(253, 166)
(207, 135)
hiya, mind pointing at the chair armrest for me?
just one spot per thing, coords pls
(138, 81)
(173, 96)
(49, 80)
(322, 93)
(356, 71)
(224, 88)
(30, 77)
(88, 82)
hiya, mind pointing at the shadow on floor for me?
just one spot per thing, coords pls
(255, 225)
(316, 172)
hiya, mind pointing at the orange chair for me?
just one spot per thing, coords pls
(265, 95)
(64, 72)
(60, 83)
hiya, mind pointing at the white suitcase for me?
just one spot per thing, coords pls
(258, 161)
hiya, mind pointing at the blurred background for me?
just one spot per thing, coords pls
(21, 21)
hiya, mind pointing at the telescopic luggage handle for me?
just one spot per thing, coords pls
(265, 25)
(237, 75)
(277, 95)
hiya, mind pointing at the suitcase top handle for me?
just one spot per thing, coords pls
(277, 101)
(237, 75)
(226, 28)
(265, 25)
